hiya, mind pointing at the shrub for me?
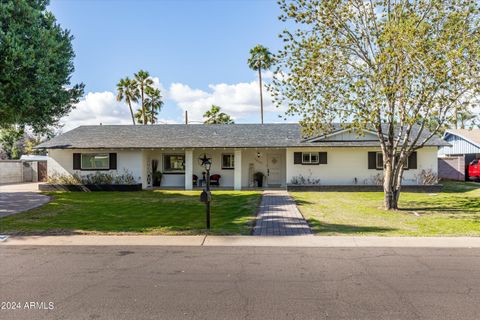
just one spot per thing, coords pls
(377, 179)
(96, 178)
(301, 180)
(64, 179)
(427, 177)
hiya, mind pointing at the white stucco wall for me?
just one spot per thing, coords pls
(178, 180)
(346, 164)
(216, 154)
(259, 164)
(169, 179)
(249, 158)
(60, 162)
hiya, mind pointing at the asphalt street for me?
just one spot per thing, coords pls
(139, 282)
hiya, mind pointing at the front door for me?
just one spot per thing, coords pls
(274, 166)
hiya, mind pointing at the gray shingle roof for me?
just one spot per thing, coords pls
(194, 136)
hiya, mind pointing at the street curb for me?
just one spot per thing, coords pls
(246, 241)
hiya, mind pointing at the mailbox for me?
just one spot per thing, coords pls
(205, 196)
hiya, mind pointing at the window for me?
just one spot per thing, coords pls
(228, 161)
(95, 161)
(174, 163)
(379, 161)
(310, 158)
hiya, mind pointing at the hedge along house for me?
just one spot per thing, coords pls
(238, 151)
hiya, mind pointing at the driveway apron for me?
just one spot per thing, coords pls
(16, 198)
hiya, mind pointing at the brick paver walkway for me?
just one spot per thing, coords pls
(279, 216)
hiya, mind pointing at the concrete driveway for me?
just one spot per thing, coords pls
(15, 198)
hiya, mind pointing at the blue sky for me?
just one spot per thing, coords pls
(196, 49)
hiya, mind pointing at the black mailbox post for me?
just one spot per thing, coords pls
(206, 195)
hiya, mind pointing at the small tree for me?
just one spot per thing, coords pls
(31, 141)
(153, 103)
(395, 67)
(11, 141)
(127, 90)
(149, 114)
(144, 83)
(214, 116)
(260, 59)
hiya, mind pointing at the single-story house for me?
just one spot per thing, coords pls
(237, 151)
(463, 148)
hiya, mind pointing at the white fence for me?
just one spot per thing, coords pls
(17, 171)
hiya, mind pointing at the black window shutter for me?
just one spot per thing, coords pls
(77, 161)
(297, 158)
(412, 160)
(322, 157)
(113, 161)
(372, 160)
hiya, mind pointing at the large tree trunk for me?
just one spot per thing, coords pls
(261, 91)
(153, 111)
(145, 121)
(389, 188)
(392, 183)
(391, 196)
(131, 113)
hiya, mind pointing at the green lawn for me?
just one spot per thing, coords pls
(147, 212)
(454, 212)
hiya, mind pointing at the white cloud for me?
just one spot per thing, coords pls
(96, 108)
(157, 84)
(240, 100)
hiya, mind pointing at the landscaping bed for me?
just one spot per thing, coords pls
(90, 187)
(98, 181)
(362, 188)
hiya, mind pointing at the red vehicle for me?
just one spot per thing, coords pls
(474, 170)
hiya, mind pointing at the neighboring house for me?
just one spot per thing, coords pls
(237, 151)
(464, 148)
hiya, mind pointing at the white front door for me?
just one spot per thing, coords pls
(274, 166)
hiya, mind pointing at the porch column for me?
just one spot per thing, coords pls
(237, 176)
(188, 169)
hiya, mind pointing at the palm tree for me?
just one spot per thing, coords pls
(139, 116)
(153, 102)
(127, 89)
(466, 118)
(143, 82)
(214, 116)
(260, 59)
